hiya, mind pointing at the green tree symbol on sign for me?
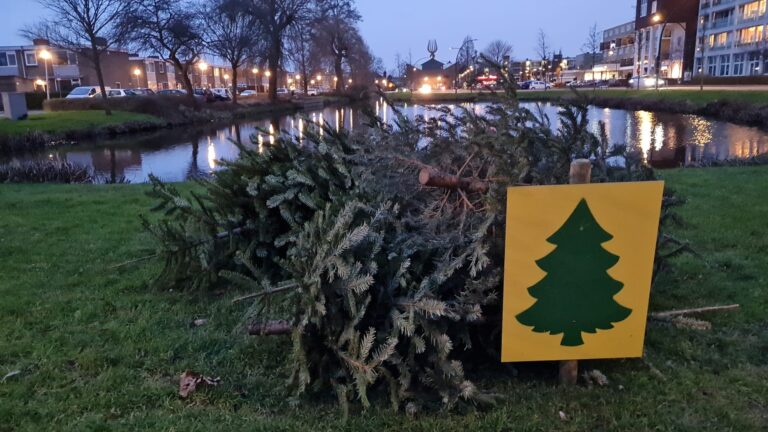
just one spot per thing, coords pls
(577, 293)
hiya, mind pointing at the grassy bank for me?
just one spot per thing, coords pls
(98, 350)
(695, 97)
(69, 121)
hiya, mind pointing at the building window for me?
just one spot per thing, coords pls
(30, 58)
(712, 65)
(71, 58)
(643, 8)
(751, 35)
(654, 6)
(753, 9)
(151, 67)
(161, 68)
(725, 65)
(754, 63)
(7, 59)
(738, 64)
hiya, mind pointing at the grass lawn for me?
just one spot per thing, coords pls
(98, 350)
(66, 121)
(695, 96)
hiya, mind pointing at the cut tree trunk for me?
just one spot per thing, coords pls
(433, 178)
(270, 328)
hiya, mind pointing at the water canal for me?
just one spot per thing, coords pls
(668, 140)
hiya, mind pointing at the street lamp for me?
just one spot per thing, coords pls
(46, 56)
(137, 74)
(658, 18)
(203, 66)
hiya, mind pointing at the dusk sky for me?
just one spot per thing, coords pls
(401, 25)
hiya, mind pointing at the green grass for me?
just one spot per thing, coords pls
(67, 121)
(99, 350)
(695, 96)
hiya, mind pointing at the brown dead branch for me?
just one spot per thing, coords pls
(270, 328)
(677, 313)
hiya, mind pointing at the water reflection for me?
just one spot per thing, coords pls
(667, 140)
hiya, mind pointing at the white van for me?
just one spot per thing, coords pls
(85, 92)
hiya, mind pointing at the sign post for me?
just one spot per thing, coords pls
(581, 173)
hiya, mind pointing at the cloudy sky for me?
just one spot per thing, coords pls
(400, 26)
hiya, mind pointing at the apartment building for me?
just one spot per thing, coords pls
(666, 37)
(617, 53)
(732, 38)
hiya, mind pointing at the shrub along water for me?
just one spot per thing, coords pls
(376, 278)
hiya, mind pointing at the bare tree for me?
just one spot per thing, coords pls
(276, 17)
(300, 38)
(171, 29)
(592, 46)
(543, 50)
(231, 33)
(88, 27)
(335, 29)
(497, 50)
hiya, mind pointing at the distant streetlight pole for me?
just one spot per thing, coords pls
(46, 56)
(657, 19)
(137, 73)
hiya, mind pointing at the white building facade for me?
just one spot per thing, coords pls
(732, 38)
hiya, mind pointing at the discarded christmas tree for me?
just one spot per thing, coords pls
(577, 294)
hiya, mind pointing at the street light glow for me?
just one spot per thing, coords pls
(203, 66)
(45, 55)
(255, 70)
(657, 18)
(137, 72)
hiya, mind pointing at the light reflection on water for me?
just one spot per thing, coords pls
(667, 140)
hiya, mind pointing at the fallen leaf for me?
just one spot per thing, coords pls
(10, 374)
(563, 417)
(595, 377)
(190, 380)
(199, 322)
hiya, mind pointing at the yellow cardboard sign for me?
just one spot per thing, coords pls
(578, 268)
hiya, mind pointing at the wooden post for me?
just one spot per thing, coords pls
(581, 173)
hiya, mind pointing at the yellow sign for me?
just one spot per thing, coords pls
(578, 268)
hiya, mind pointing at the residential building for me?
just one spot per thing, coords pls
(23, 69)
(732, 38)
(152, 73)
(666, 37)
(617, 53)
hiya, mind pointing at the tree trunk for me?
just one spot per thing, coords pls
(234, 82)
(433, 178)
(275, 53)
(184, 70)
(100, 76)
(337, 65)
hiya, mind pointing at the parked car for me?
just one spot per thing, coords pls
(172, 92)
(222, 94)
(646, 81)
(313, 91)
(143, 92)
(120, 93)
(85, 92)
(284, 92)
(535, 85)
(249, 93)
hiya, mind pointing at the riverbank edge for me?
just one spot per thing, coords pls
(34, 140)
(737, 112)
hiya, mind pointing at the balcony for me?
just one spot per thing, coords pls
(66, 71)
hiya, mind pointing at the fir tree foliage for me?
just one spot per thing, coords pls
(387, 284)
